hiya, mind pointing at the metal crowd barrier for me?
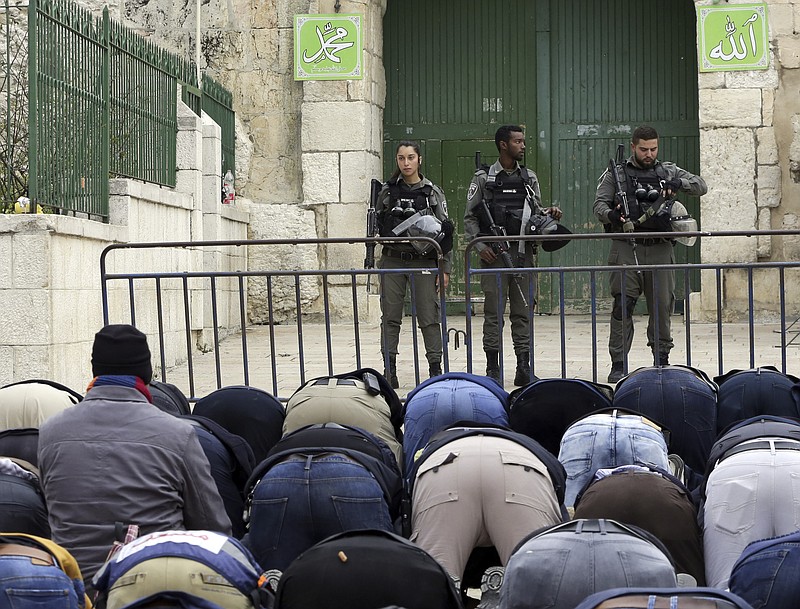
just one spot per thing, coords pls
(745, 322)
(315, 322)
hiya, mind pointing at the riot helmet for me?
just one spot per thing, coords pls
(421, 225)
(544, 224)
(681, 221)
(541, 224)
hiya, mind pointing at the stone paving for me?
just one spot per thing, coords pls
(275, 355)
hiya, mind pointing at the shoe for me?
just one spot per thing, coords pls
(617, 372)
(271, 579)
(434, 369)
(391, 374)
(523, 374)
(491, 581)
(663, 359)
(493, 365)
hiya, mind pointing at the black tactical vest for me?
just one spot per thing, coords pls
(401, 195)
(505, 196)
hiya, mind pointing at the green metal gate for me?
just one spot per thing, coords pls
(455, 71)
(579, 75)
(613, 65)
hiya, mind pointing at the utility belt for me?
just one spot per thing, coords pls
(405, 256)
(653, 241)
(779, 444)
(648, 241)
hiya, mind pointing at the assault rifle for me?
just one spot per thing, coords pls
(372, 225)
(502, 246)
(614, 167)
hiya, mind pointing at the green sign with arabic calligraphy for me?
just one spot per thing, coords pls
(733, 37)
(328, 47)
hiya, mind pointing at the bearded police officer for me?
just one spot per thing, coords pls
(649, 185)
(410, 205)
(512, 196)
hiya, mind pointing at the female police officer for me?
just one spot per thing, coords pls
(410, 205)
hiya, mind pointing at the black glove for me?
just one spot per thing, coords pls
(615, 217)
(448, 228)
(673, 184)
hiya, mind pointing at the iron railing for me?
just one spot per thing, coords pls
(68, 76)
(314, 322)
(102, 103)
(217, 102)
(143, 122)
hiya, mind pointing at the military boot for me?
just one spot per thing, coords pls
(391, 373)
(493, 365)
(434, 369)
(617, 372)
(662, 359)
(523, 375)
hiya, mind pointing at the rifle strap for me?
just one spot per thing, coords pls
(526, 216)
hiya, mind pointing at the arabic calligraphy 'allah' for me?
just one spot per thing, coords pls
(738, 51)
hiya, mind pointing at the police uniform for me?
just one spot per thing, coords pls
(649, 251)
(426, 198)
(507, 197)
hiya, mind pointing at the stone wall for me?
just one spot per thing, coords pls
(342, 142)
(50, 273)
(306, 151)
(750, 156)
(51, 287)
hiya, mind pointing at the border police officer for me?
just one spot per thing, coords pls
(511, 192)
(411, 205)
(648, 183)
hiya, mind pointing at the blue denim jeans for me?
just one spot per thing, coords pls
(606, 441)
(24, 585)
(766, 573)
(305, 499)
(677, 398)
(441, 404)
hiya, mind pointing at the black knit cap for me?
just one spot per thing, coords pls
(121, 349)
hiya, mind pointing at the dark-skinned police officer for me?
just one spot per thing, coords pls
(512, 194)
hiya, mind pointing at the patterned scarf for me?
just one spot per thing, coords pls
(122, 380)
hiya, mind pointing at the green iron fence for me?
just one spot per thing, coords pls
(144, 118)
(217, 102)
(102, 103)
(68, 117)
